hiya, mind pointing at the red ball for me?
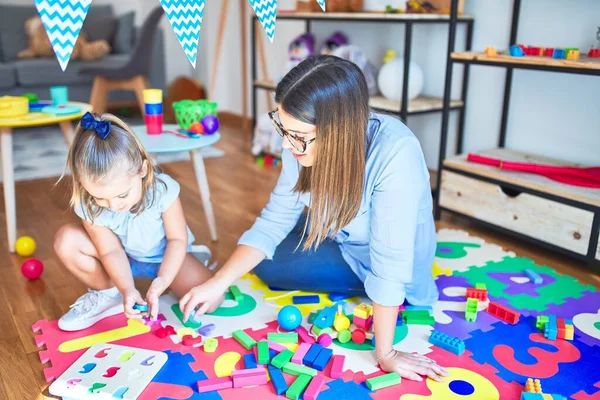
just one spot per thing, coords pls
(197, 127)
(32, 268)
(359, 336)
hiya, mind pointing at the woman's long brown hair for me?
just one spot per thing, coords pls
(332, 94)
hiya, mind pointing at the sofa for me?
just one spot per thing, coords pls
(38, 75)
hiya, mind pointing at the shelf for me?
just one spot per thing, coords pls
(584, 64)
(369, 16)
(526, 180)
(419, 105)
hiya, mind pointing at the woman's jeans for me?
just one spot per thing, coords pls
(323, 270)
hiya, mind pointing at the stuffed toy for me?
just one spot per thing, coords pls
(40, 46)
(333, 42)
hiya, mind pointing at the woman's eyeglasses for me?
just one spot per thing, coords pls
(297, 143)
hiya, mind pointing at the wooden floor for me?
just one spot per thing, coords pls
(239, 191)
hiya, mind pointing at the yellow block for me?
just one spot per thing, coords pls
(490, 51)
(573, 55)
(569, 332)
(133, 328)
(153, 96)
(363, 311)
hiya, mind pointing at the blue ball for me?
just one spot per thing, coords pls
(289, 318)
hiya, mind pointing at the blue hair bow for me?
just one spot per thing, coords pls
(102, 128)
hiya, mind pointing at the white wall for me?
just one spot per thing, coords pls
(551, 113)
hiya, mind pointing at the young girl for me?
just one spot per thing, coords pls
(132, 227)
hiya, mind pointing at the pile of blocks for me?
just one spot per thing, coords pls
(479, 293)
(555, 328)
(329, 324)
(533, 391)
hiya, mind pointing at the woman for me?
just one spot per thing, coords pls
(369, 226)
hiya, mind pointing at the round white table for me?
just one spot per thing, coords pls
(170, 143)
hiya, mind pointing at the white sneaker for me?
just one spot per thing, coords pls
(89, 309)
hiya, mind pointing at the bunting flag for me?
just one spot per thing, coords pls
(322, 4)
(185, 17)
(266, 11)
(63, 20)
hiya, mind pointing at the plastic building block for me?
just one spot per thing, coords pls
(561, 328)
(322, 359)
(300, 353)
(278, 381)
(359, 336)
(363, 311)
(541, 321)
(338, 296)
(572, 53)
(306, 299)
(479, 294)
(447, 342)
(480, 285)
(384, 381)
(417, 317)
(313, 389)
(471, 309)
(250, 361)
(244, 339)
(276, 346)
(210, 385)
(282, 358)
(263, 352)
(141, 307)
(337, 366)
(516, 51)
(249, 377)
(490, 51)
(312, 353)
(236, 293)
(534, 276)
(594, 53)
(569, 332)
(533, 386)
(551, 328)
(559, 54)
(541, 396)
(325, 318)
(297, 387)
(548, 51)
(503, 313)
(288, 337)
(210, 345)
(295, 369)
(304, 336)
(426, 308)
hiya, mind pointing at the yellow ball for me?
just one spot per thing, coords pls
(25, 246)
(341, 322)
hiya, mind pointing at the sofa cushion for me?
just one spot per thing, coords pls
(8, 76)
(46, 71)
(13, 37)
(123, 40)
(101, 29)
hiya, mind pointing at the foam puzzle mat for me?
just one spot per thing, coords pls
(499, 357)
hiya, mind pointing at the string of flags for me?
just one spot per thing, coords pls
(63, 20)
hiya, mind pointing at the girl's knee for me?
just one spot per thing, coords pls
(65, 239)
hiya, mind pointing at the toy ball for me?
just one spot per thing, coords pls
(197, 127)
(32, 268)
(289, 318)
(390, 79)
(25, 246)
(210, 123)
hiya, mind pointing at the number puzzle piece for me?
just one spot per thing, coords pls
(460, 384)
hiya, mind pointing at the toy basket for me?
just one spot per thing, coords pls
(189, 111)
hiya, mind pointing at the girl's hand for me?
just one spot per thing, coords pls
(410, 366)
(157, 288)
(132, 297)
(206, 295)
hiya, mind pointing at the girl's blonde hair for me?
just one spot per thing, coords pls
(93, 158)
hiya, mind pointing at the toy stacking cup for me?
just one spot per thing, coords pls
(153, 101)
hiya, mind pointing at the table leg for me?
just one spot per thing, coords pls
(204, 192)
(67, 130)
(9, 186)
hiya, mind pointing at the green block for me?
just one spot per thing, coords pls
(417, 317)
(312, 316)
(480, 285)
(236, 293)
(541, 321)
(263, 352)
(282, 358)
(297, 369)
(297, 388)
(420, 321)
(415, 314)
(384, 381)
(289, 337)
(471, 309)
(244, 339)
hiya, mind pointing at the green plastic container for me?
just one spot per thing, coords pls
(188, 112)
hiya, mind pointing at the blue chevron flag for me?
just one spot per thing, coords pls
(63, 20)
(185, 17)
(322, 4)
(266, 11)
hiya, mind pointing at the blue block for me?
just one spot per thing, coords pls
(322, 359)
(272, 353)
(338, 296)
(279, 383)
(325, 318)
(568, 322)
(559, 54)
(516, 51)
(531, 396)
(428, 308)
(306, 299)
(550, 333)
(312, 353)
(534, 276)
(447, 342)
(154, 109)
(250, 361)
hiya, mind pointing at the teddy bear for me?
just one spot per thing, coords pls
(40, 46)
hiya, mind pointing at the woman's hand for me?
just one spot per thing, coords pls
(132, 297)
(207, 296)
(410, 366)
(158, 286)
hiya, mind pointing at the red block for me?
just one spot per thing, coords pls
(210, 385)
(154, 124)
(561, 328)
(503, 313)
(479, 294)
(548, 51)
(304, 336)
(337, 366)
(361, 323)
(594, 53)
